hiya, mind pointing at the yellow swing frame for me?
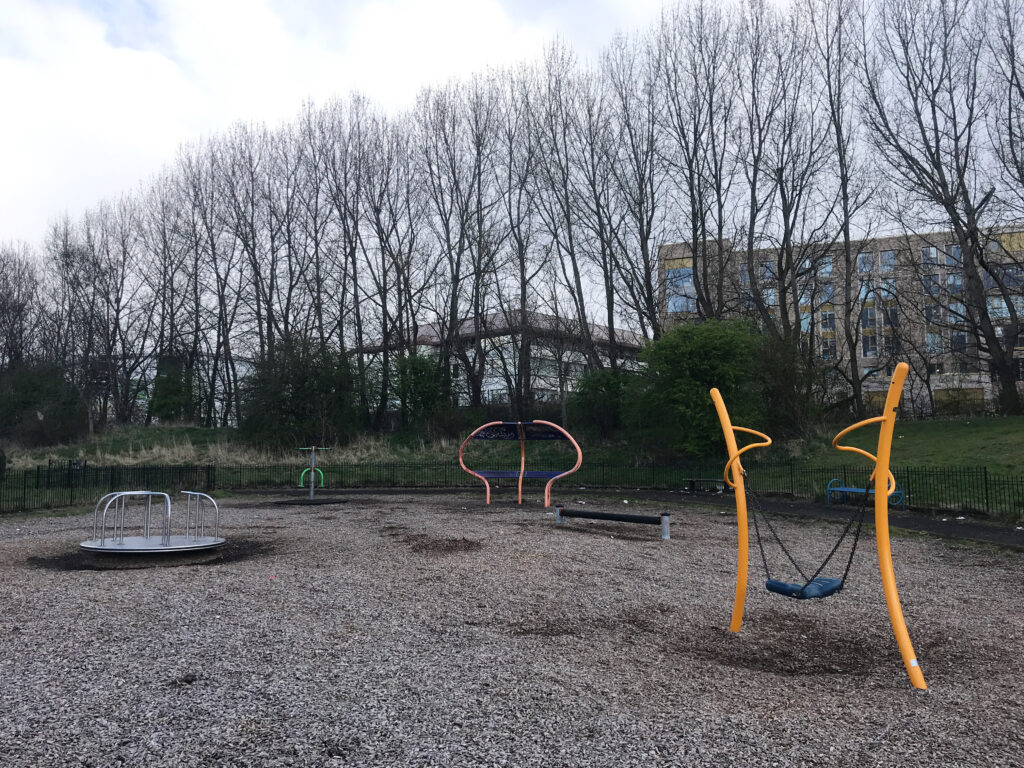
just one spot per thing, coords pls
(734, 477)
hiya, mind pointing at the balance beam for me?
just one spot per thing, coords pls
(618, 517)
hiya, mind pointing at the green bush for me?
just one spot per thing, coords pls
(39, 407)
(671, 408)
(597, 405)
(419, 389)
(299, 397)
(172, 398)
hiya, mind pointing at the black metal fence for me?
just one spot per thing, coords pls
(948, 490)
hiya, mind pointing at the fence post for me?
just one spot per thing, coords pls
(24, 491)
(988, 509)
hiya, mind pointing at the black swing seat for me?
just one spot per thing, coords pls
(822, 586)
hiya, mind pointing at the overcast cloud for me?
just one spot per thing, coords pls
(96, 95)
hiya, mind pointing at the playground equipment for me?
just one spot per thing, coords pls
(115, 505)
(817, 586)
(521, 431)
(312, 470)
(662, 520)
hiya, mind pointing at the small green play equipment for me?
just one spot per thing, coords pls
(312, 470)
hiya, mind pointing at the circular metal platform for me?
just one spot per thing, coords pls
(153, 545)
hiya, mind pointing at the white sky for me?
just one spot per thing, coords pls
(96, 95)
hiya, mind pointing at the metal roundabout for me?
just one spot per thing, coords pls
(157, 538)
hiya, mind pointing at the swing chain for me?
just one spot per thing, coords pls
(759, 511)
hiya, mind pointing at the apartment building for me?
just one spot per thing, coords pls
(555, 351)
(898, 298)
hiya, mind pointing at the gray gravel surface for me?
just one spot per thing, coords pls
(433, 631)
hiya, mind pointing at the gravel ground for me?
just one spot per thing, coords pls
(432, 631)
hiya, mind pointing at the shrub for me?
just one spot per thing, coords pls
(298, 397)
(672, 407)
(39, 407)
(597, 405)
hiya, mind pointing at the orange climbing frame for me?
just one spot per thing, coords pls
(523, 431)
(885, 484)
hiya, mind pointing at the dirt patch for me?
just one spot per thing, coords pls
(783, 646)
(426, 544)
(648, 620)
(429, 545)
(310, 502)
(234, 550)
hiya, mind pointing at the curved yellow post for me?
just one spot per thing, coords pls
(881, 474)
(734, 478)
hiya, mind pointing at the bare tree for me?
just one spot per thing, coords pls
(559, 185)
(19, 303)
(924, 101)
(700, 94)
(632, 70)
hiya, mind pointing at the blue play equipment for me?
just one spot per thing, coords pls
(821, 586)
(836, 486)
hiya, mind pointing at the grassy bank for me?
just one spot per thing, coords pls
(993, 442)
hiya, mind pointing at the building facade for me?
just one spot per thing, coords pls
(896, 298)
(520, 357)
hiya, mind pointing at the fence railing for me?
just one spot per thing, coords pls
(960, 490)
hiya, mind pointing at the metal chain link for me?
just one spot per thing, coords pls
(759, 511)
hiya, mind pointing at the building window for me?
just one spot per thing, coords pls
(890, 317)
(932, 314)
(954, 256)
(936, 368)
(867, 291)
(1013, 276)
(828, 293)
(828, 349)
(682, 296)
(955, 283)
(766, 280)
(933, 343)
(865, 262)
(870, 372)
(930, 256)
(997, 308)
(828, 320)
(887, 288)
(931, 285)
(825, 267)
(887, 261)
(957, 312)
(867, 317)
(496, 395)
(545, 395)
(958, 341)
(869, 344)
